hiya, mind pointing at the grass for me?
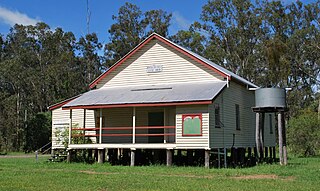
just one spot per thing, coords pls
(27, 174)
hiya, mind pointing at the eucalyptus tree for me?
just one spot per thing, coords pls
(38, 68)
(191, 39)
(89, 58)
(131, 27)
(234, 32)
(267, 42)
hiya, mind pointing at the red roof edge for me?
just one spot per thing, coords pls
(138, 105)
(62, 103)
(138, 47)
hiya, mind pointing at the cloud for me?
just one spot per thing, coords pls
(180, 22)
(15, 17)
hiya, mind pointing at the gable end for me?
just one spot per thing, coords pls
(142, 44)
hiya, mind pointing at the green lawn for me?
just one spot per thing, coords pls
(25, 174)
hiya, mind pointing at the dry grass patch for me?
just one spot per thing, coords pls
(94, 172)
(263, 176)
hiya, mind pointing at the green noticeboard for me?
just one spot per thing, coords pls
(192, 125)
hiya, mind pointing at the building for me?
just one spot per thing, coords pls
(163, 97)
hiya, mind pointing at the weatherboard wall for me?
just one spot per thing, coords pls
(227, 135)
(176, 68)
(61, 121)
(189, 142)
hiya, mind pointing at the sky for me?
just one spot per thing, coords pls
(70, 15)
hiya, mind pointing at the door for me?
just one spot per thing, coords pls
(155, 119)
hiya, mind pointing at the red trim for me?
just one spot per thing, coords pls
(123, 59)
(84, 129)
(116, 128)
(159, 134)
(62, 103)
(137, 105)
(192, 115)
(58, 105)
(123, 128)
(156, 127)
(124, 135)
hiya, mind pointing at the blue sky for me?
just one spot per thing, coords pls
(71, 14)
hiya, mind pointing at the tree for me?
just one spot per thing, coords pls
(191, 40)
(267, 42)
(38, 132)
(90, 61)
(304, 134)
(158, 21)
(38, 67)
(131, 27)
(290, 55)
(234, 33)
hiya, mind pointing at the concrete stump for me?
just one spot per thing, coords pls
(132, 155)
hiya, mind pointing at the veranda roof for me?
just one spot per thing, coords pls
(152, 94)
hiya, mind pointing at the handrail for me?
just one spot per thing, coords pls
(156, 127)
(46, 150)
(124, 135)
(81, 129)
(125, 128)
(44, 146)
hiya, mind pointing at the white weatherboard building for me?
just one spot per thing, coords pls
(161, 96)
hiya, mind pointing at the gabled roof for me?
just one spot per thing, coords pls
(150, 95)
(207, 63)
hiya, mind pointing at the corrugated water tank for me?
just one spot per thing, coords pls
(270, 97)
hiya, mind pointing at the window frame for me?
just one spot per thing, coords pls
(237, 111)
(217, 116)
(192, 116)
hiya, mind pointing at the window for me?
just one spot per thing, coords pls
(217, 116)
(192, 125)
(237, 117)
(270, 124)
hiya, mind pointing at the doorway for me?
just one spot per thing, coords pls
(155, 119)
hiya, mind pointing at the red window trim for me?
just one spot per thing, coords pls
(193, 115)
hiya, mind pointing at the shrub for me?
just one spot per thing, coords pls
(38, 131)
(304, 134)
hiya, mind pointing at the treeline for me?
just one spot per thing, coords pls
(267, 42)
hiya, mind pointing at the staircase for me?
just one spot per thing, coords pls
(59, 156)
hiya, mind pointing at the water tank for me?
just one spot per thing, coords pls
(270, 97)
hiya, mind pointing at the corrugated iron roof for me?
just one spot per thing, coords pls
(166, 93)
